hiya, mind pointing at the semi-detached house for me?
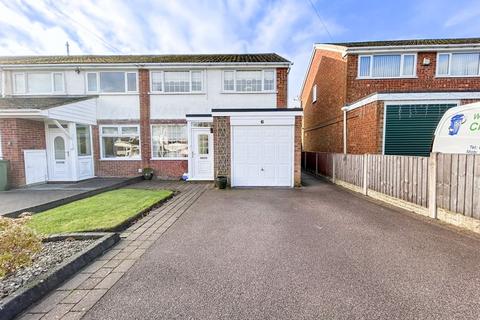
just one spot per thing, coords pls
(69, 118)
(386, 96)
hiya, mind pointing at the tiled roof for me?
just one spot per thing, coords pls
(413, 42)
(187, 58)
(40, 103)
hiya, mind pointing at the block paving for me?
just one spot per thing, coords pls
(80, 293)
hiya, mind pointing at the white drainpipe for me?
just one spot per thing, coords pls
(344, 109)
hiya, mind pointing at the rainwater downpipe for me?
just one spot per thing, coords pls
(344, 109)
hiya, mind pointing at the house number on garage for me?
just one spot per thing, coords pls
(261, 121)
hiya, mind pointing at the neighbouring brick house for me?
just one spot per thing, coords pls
(70, 118)
(385, 96)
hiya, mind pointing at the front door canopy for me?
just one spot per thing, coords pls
(80, 109)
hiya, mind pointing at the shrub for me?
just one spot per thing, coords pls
(18, 245)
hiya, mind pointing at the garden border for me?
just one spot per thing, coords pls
(20, 300)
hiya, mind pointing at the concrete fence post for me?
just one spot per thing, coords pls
(432, 185)
(365, 174)
(333, 167)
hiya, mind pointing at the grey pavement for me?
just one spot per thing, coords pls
(313, 253)
(27, 197)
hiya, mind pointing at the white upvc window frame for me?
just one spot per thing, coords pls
(274, 90)
(101, 136)
(449, 75)
(402, 57)
(314, 93)
(190, 71)
(153, 157)
(26, 86)
(125, 78)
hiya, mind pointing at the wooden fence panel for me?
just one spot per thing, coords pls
(401, 177)
(458, 184)
(469, 185)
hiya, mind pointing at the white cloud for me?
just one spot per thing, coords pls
(465, 15)
(287, 27)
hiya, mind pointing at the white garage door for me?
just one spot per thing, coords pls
(262, 155)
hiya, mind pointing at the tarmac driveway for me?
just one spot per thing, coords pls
(314, 253)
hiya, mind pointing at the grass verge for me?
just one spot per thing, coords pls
(105, 211)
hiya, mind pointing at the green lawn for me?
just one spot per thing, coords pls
(103, 211)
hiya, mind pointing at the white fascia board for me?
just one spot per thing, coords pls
(202, 119)
(330, 47)
(416, 48)
(308, 70)
(277, 114)
(144, 65)
(263, 121)
(22, 113)
(415, 96)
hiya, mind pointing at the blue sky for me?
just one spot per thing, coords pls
(288, 27)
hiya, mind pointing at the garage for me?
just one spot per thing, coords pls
(258, 148)
(262, 155)
(409, 128)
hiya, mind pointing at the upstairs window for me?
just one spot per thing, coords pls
(387, 66)
(176, 81)
(111, 82)
(458, 64)
(38, 83)
(314, 93)
(248, 80)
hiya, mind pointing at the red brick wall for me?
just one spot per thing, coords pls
(425, 81)
(169, 169)
(323, 119)
(18, 135)
(282, 87)
(365, 129)
(144, 88)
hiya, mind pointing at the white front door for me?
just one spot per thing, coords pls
(202, 154)
(59, 156)
(262, 155)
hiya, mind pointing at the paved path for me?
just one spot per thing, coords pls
(80, 293)
(315, 253)
(27, 197)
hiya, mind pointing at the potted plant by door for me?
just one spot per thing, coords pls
(221, 182)
(147, 173)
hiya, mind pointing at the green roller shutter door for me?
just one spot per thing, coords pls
(409, 129)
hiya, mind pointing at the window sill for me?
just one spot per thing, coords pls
(249, 92)
(175, 93)
(113, 93)
(41, 94)
(120, 159)
(386, 78)
(449, 76)
(175, 159)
